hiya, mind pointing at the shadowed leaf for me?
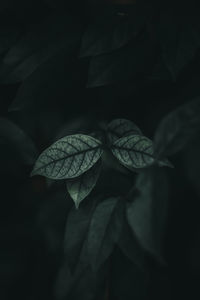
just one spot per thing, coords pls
(104, 231)
(120, 128)
(179, 41)
(112, 32)
(177, 129)
(147, 213)
(77, 226)
(130, 63)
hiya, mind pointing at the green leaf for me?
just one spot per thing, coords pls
(147, 214)
(79, 188)
(135, 151)
(69, 157)
(120, 128)
(19, 140)
(104, 231)
(177, 129)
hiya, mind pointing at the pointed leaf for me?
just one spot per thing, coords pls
(177, 129)
(147, 213)
(79, 188)
(69, 157)
(120, 128)
(134, 151)
(104, 231)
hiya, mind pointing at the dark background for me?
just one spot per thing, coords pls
(68, 93)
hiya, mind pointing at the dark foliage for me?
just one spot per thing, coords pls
(75, 79)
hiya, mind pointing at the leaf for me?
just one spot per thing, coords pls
(165, 163)
(19, 140)
(77, 226)
(147, 213)
(132, 62)
(179, 40)
(131, 248)
(120, 128)
(177, 129)
(104, 231)
(69, 157)
(84, 284)
(79, 188)
(112, 32)
(135, 151)
(39, 43)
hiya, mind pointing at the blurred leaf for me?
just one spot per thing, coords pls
(104, 231)
(69, 157)
(84, 284)
(37, 45)
(18, 139)
(132, 62)
(147, 213)
(77, 226)
(134, 151)
(80, 187)
(57, 83)
(180, 41)
(130, 247)
(108, 33)
(177, 129)
(120, 128)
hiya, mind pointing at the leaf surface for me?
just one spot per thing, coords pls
(69, 157)
(134, 151)
(80, 187)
